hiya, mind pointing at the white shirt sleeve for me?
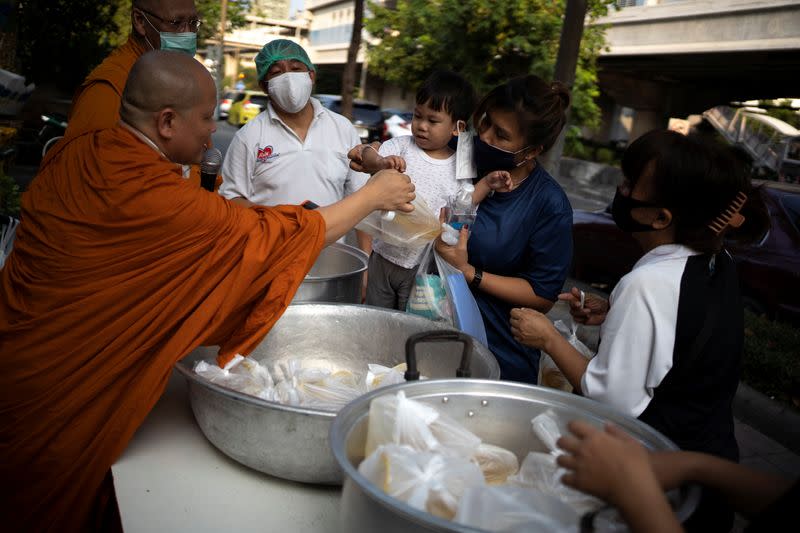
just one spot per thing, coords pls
(637, 343)
(237, 169)
(354, 180)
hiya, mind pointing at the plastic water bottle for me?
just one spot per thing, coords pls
(462, 212)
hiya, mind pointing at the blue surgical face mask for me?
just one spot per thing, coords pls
(185, 41)
(489, 158)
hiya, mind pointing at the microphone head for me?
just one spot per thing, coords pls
(212, 160)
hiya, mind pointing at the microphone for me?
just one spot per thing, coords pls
(209, 168)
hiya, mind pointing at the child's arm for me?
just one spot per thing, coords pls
(372, 161)
(499, 180)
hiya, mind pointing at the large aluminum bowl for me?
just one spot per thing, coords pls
(336, 276)
(500, 413)
(292, 442)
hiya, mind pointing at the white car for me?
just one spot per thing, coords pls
(397, 123)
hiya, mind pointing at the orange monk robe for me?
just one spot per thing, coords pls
(96, 103)
(120, 268)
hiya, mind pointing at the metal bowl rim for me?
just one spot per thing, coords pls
(192, 377)
(337, 439)
(351, 250)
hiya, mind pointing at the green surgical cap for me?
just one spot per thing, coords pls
(280, 50)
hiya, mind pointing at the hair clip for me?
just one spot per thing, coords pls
(731, 216)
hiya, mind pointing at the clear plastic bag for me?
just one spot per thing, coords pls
(428, 297)
(546, 429)
(427, 481)
(540, 471)
(383, 376)
(514, 510)
(496, 463)
(395, 419)
(240, 374)
(408, 230)
(549, 374)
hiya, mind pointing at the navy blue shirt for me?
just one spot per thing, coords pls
(525, 233)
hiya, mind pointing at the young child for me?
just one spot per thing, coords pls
(444, 103)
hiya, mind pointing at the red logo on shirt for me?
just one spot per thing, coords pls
(263, 153)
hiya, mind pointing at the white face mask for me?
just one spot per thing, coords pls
(290, 91)
(465, 162)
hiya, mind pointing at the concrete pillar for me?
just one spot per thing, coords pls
(645, 120)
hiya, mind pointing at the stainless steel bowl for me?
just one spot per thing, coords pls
(336, 276)
(499, 412)
(292, 442)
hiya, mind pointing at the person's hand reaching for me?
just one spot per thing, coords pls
(585, 307)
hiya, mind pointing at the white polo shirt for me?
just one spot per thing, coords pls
(268, 164)
(637, 338)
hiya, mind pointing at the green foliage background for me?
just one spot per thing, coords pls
(61, 41)
(486, 41)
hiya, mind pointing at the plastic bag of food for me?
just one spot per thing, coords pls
(409, 230)
(383, 376)
(496, 463)
(427, 481)
(549, 374)
(540, 471)
(546, 429)
(428, 296)
(514, 510)
(332, 392)
(240, 374)
(395, 419)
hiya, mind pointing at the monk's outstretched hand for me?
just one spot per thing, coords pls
(392, 191)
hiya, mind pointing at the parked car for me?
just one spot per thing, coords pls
(367, 117)
(246, 106)
(225, 102)
(769, 270)
(396, 123)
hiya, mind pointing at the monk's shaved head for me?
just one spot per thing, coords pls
(162, 79)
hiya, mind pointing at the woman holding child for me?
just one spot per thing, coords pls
(519, 249)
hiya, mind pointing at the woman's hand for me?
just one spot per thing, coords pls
(591, 311)
(457, 255)
(532, 328)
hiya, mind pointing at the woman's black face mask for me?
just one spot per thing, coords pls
(621, 212)
(489, 158)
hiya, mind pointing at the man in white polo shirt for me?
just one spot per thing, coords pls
(295, 150)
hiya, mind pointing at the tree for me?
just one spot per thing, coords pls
(486, 41)
(349, 76)
(61, 41)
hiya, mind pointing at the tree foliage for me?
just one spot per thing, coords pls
(486, 41)
(58, 39)
(61, 41)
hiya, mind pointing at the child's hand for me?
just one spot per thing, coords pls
(394, 162)
(356, 156)
(498, 180)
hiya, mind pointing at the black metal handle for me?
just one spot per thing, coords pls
(463, 370)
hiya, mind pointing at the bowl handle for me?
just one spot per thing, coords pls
(463, 371)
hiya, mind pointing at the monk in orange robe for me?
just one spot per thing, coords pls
(120, 268)
(95, 105)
